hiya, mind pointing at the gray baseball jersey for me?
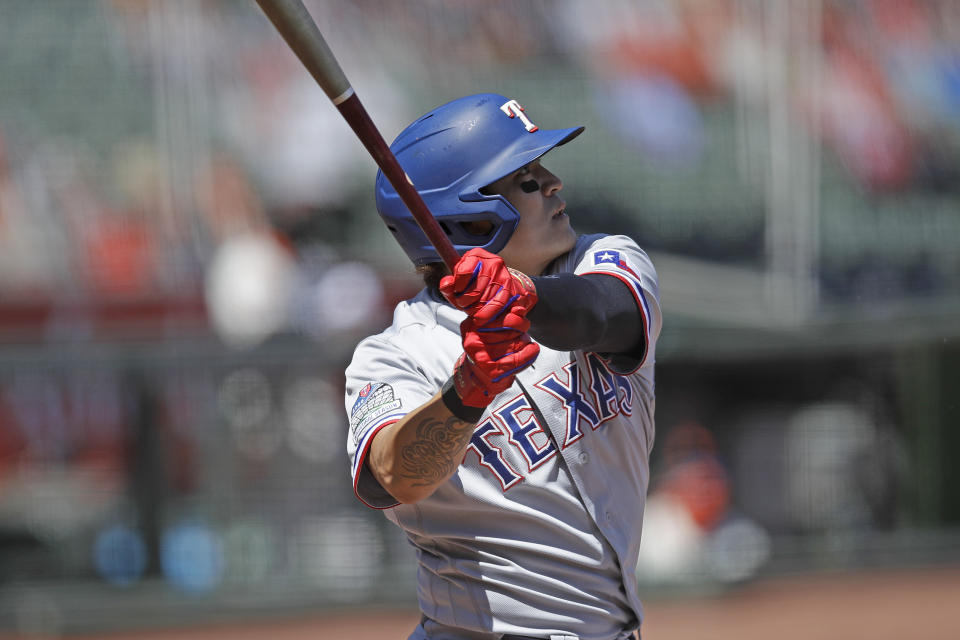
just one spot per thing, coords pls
(537, 532)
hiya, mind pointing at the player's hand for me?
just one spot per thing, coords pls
(485, 370)
(511, 326)
(486, 289)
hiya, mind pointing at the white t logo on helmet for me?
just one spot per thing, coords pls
(513, 109)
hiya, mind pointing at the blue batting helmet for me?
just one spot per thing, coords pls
(450, 154)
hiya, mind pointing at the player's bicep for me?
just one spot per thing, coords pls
(619, 258)
(368, 489)
(624, 318)
(591, 313)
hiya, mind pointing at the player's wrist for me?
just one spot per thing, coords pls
(524, 282)
(450, 396)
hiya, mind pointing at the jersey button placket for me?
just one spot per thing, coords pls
(584, 457)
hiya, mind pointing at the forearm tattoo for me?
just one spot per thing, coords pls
(436, 451)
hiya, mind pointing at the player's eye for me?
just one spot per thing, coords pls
(525, 178)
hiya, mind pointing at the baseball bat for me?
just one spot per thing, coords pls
(302, 35)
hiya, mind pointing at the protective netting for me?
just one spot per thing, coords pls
(189, 249)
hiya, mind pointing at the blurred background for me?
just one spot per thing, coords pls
(189, 251)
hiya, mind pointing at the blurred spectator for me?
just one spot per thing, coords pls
(690, 531)
(694, 475)
(858, 116)
(118, 253)
(26, 263)
(228, 203)
(12, 213)
(250, 284)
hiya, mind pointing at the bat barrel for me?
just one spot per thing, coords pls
(301, 33)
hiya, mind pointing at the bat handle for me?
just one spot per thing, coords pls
(356, 116)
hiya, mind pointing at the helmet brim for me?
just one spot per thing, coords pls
(520, 153)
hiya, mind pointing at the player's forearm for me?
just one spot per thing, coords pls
(592, 312)
(412, 457)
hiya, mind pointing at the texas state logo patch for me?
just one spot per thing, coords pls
(374, 400)
(612, 258)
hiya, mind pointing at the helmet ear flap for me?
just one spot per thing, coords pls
(482, 229)
(489, 228)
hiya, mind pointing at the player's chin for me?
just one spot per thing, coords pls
(566, 240)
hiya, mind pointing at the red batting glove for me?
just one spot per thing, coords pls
(486, 289)
(483, 372)
(497, 339)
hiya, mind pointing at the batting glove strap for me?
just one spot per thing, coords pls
(453, 403)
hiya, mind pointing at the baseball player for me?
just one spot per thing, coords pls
(505, 420)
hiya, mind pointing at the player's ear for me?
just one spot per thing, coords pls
(479, 228)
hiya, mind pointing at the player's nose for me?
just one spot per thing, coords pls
(550, 183)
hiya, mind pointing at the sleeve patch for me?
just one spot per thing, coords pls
(613, 259)
(374, 400)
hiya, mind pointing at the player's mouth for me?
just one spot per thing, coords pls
(561, 212)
